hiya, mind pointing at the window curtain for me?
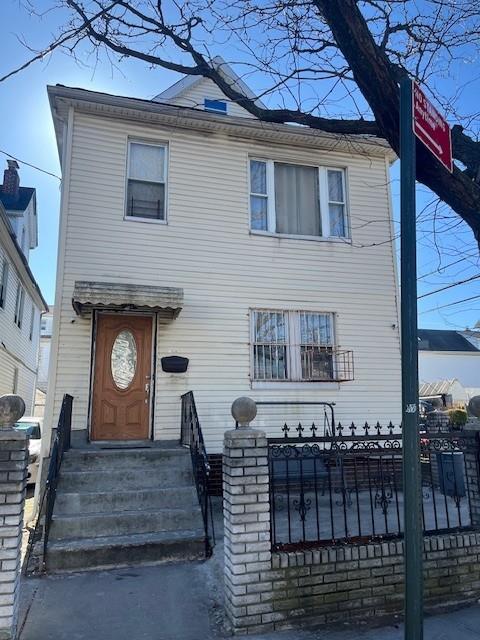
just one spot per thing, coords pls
(297, 204)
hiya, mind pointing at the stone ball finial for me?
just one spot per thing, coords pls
(12, 408)
(474, 406)
(244, 410)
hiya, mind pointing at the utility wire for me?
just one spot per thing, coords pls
(449, 286)
(450, 304)
(9, 155)
(450, 264)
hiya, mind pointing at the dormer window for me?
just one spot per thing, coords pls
(215, 106)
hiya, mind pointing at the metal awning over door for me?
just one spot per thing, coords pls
(89, 295)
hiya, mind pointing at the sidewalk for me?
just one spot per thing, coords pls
(173, 602)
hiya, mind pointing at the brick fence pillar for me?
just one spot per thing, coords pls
(471, 435)
(13, 480)
(246, 508)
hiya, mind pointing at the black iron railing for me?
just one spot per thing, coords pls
(192, 437)
(61, 444)
(348, 486)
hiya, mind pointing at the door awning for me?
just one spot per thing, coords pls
(128, 297)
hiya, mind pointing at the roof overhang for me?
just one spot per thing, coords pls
(151, 112)
(126, 297)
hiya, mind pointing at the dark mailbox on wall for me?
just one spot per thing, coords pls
(174, 364)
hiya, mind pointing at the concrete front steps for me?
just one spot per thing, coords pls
(118, 507)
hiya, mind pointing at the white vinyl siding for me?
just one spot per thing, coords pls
(194, 97)
(297, 200)
(16, 350)
(207, 250)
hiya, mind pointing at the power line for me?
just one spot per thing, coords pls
(9, 155)
(450, 304)
(449, 286)
(451, 264)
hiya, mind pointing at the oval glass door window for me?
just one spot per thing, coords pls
(124, 359)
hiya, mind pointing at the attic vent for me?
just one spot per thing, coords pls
(217, 106)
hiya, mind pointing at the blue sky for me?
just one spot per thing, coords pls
(26, 132)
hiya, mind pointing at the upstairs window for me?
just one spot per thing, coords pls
(297, 200)
(19, 304)
(3, 283)
(216, 106)
(146, 181)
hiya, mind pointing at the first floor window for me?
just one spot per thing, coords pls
(293, 345)
(19, 304)
(298, 200)
(3, 283)
(15, 380)
(146, 181)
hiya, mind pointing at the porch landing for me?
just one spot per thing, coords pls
(117, 506)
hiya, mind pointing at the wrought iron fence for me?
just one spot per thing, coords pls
(61, 444)
(192, 437)
(347, 486)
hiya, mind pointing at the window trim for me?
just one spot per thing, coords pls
(4, 282)
(161, 143)
(293, 350)
(323, 200)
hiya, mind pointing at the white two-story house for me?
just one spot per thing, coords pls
(21, 301)
(262, 253)
(204, 251)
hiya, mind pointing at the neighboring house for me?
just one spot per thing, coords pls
(449, 393)
(46, 327)
(21, 302)
(445, 355)
(262, 253)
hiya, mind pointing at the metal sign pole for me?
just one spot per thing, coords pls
(413, 540)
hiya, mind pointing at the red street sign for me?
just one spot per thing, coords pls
(431, 128)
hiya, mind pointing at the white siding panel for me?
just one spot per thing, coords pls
(206, 249)
(16, 348)
(195, 96)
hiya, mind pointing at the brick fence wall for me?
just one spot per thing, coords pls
(13, 479)
(266, 591)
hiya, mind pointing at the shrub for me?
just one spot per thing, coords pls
(458, 417)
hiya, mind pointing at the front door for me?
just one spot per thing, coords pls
(122, 377)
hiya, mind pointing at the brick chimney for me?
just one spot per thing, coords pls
(11, 179)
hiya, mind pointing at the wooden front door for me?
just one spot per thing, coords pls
(122, 377)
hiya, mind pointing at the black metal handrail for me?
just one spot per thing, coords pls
(61, 443)
(192, 437)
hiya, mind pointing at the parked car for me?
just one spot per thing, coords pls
(32, 426)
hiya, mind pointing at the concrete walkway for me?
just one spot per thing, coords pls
(172, 602)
